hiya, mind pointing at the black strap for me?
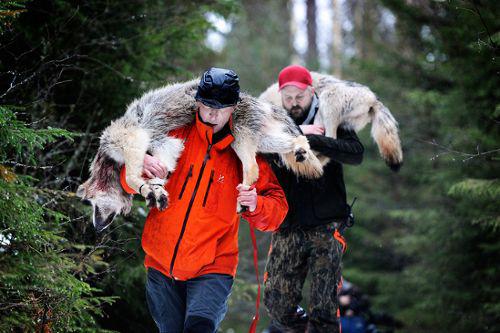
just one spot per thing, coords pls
(140, 188)
(349, 221)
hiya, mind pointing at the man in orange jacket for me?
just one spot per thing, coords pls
(192, 246)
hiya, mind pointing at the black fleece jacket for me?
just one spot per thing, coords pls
(319, 201)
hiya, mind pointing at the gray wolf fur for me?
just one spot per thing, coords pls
(353, 106)
(257, 127)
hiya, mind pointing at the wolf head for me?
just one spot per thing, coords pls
(104, 192)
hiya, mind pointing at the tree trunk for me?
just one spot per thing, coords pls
(337, 40)
(359, 8)
(294, 56)
(312, 47)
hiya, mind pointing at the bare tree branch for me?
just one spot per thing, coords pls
(17, 164)
(447, 150)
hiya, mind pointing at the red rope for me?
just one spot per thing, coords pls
(255, 320)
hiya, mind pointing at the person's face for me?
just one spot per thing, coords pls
(296, 101)
(216, 117)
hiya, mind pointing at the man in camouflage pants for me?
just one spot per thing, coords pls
(309, 239)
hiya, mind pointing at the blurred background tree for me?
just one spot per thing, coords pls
(425, 244)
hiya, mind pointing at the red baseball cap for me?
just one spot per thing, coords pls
(295, 75)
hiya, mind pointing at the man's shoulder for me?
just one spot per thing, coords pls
(181, 132)
(264, 159)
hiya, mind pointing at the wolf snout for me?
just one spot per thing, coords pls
(101, 222)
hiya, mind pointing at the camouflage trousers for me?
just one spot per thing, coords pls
(292, 255)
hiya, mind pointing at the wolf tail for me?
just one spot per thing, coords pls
(385, 133)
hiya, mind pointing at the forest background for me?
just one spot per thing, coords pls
(425, 247)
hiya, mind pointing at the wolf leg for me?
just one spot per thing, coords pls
(282, 137)
(330, 119)
(302, 160)
(334, 105)
(134, 145)
(246, 152)
(167, 150)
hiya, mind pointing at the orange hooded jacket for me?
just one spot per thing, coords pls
(198, 232)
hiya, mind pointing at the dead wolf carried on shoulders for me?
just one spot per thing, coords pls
(257, 126)
(352, 106)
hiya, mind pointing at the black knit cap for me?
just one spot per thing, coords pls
(218, 88)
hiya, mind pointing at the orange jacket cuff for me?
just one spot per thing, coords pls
(123, 182)
(258, 208)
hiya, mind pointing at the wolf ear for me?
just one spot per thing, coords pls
(80, 192)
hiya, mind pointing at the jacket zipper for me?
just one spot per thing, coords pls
(189, 175)
(210, 181)
(190, 205)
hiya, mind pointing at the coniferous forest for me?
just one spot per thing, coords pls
(425, 246)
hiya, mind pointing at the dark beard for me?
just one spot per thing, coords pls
(298, 114)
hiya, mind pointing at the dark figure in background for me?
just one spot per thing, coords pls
(353, 304)
(356, 316)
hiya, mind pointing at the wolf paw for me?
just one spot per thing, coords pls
(156, 196)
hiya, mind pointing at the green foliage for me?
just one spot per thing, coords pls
(10, 10)
(77, 69)
(41, 286)
(434, 226)
(425, 244)
(481, 190)
(21, 142)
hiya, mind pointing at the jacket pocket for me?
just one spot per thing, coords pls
(210, 181)
(186, 180)
(220, 195)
